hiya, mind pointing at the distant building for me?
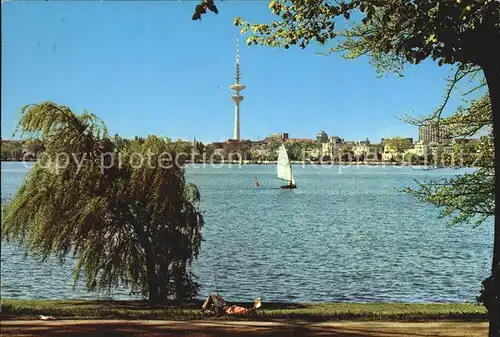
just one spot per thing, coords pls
(322, 137)
(300, 140)
(436, 148)
(388, 156)
(276, 136)
(336, 140)
(366, 149)
(422, 148)
(218, 145)
(433, 132)
(282, 136)
(419, 149)
(233, 141)
(256, 143)
(366, 142)
(333, 145)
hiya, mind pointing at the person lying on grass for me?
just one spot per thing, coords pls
(217, 305)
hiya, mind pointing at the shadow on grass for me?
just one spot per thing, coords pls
(142, 304)
(141, 310)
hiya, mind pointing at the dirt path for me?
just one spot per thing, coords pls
(239, 328)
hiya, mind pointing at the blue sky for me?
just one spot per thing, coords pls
(147, 68)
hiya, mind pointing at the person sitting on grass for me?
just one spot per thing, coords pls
(216, 304)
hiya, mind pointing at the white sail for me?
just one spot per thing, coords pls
(284, 166)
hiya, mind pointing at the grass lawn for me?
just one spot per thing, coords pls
(84, 309)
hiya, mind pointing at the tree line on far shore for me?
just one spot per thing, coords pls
(18, 150)
(463, 154)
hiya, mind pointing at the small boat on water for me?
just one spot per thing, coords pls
(285, 168)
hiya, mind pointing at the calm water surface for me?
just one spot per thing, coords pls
(346, 234)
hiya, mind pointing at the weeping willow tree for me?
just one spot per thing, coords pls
(123, 210)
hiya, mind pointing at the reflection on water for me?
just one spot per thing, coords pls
(345, 234)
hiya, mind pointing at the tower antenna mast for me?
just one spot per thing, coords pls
(236, 97)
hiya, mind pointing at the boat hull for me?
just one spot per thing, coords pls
(288, 187)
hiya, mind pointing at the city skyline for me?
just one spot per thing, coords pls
(141, 78)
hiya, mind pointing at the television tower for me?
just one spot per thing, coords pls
(237, 98)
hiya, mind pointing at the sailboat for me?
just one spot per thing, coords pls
(285, 168)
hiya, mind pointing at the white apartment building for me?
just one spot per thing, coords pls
(366, 149)
(422, 148)
(333, 145)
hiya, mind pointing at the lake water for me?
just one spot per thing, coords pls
(345, 234)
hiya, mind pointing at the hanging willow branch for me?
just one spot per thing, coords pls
(131, 225)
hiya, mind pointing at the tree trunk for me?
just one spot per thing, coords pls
(153, 291)
(164, 281)
(492, 285)
(153, 296)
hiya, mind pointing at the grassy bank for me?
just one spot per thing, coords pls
(29, 309)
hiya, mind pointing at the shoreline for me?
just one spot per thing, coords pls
(13, 309)
(18, 161)
(302, 163)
